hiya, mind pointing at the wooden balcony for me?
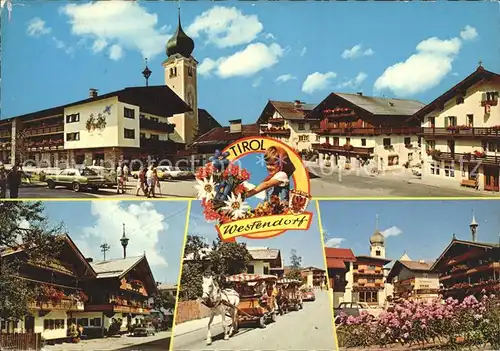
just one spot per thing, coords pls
(368, 131)
(161, 145)
(468, 158)
(342, 150)
(64, 305)
(116, 308)
(275, 131)
(471, 271)
(45, 144)
(46, 130)
(5, 134)
(463, 132)
(146, 123)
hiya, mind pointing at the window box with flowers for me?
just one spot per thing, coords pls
(479, 154)
(348, 147)
(326, 145)
(50, 294)
(452, 128)
(459, 267)
(464, 127)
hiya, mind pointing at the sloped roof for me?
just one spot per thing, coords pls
(206, 121)
(222, 135)
(115, 268)
(416, 265)
(335, 263)
(338, 253)
(487, 246)
(263, 254)
(312, 268)
(383, 106)
(151, 99)
(475, 77)
(288, 110)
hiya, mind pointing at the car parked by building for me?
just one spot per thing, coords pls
(76, 179)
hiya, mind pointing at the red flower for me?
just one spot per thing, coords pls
(209, 212)
(240, 189)
(244, 175)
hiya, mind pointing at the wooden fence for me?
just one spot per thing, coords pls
(23, 341)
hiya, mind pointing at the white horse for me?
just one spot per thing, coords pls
(215, 298)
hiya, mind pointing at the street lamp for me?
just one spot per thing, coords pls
(147, 72)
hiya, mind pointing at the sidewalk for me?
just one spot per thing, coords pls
(442, 183)
(195, 325)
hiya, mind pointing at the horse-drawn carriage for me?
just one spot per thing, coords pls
(257, 299)
(289, 296)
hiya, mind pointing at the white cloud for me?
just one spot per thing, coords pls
(254, 58)
(257, 82)
(356, 51)
(392, 231)
(303, 51)
(421, 71)
(61, 45)
(115, 52)
(469, 33)
(317, 82)
(334, 242)
(225, 27)
(143, 224)
(37, 27)
(269, 36)
(285, 78)
(353, 83)
(123, 23)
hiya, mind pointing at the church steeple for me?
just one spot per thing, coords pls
(180, 43)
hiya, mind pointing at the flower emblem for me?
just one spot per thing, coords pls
(236, 207)
(206, 188)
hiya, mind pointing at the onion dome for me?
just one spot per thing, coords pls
(377, 238)
(180, 43)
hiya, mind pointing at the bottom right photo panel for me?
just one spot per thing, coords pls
(414, 275)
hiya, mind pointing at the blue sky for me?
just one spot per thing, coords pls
(422, 229)
(307, 243)
(156, 228)
(53, 52)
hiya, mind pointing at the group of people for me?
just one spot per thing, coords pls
(147, 180)
(11, 180)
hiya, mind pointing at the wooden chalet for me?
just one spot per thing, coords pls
(355, 126)
(467, 268)
(59, 283)
(120, 294)
(461, 130)
(289, 122)
(368, 279)
(338, 263)
(315, 277)
(413, 280)
(265, 261)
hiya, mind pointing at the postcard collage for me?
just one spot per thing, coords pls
(249, 175)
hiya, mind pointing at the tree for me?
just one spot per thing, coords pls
(295, 263)
(23, 226)
(192, 270)
(164, 301)
(228, 258)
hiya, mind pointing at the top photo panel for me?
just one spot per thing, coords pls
(124, 99)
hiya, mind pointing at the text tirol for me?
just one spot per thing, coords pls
(264, 224)
(247, 146)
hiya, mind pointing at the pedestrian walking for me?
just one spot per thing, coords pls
(119, 179)
(156, 181)
(141, 182)
(126, 172)
(150, 181)
(3, 181)
(14, 182)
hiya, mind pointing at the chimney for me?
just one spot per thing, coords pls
(297, 104)
(93, 93)
(360, 93)
(235, 126)
(89, 259)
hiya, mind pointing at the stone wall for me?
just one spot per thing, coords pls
(190, 310)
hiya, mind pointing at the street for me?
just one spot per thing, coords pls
(160, 341)
(307, 329)
(398, 184)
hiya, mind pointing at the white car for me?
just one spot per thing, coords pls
(170, 172)
(417, 170)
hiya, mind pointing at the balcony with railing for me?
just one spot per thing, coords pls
(150, 124)
(482, 158)
(63, 305)
(43, 130)
(343, 149)
(120, 305)
(49, 144)
(279, 131)
(374, 131)
(5, 134)
(462, 131)
(156, 144)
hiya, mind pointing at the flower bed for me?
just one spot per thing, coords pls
(450, 323)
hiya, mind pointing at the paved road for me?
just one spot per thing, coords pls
(351, 185)
(307, 329)
(160, 341)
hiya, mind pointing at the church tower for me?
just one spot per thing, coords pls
(377, 246)
(180, 76)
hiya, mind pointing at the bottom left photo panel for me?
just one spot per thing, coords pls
(89, 275)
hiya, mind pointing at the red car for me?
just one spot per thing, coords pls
(308, 295)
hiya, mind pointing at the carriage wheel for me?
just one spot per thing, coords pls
(262, 322)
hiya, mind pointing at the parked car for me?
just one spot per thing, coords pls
(108, 174)
(188, 173)
(170, 172)
(76, 179)
(416, 170)
(159, 172)
(144, 331)
(355, 309)
(308, 294)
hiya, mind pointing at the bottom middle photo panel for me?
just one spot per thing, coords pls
(253, 293)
